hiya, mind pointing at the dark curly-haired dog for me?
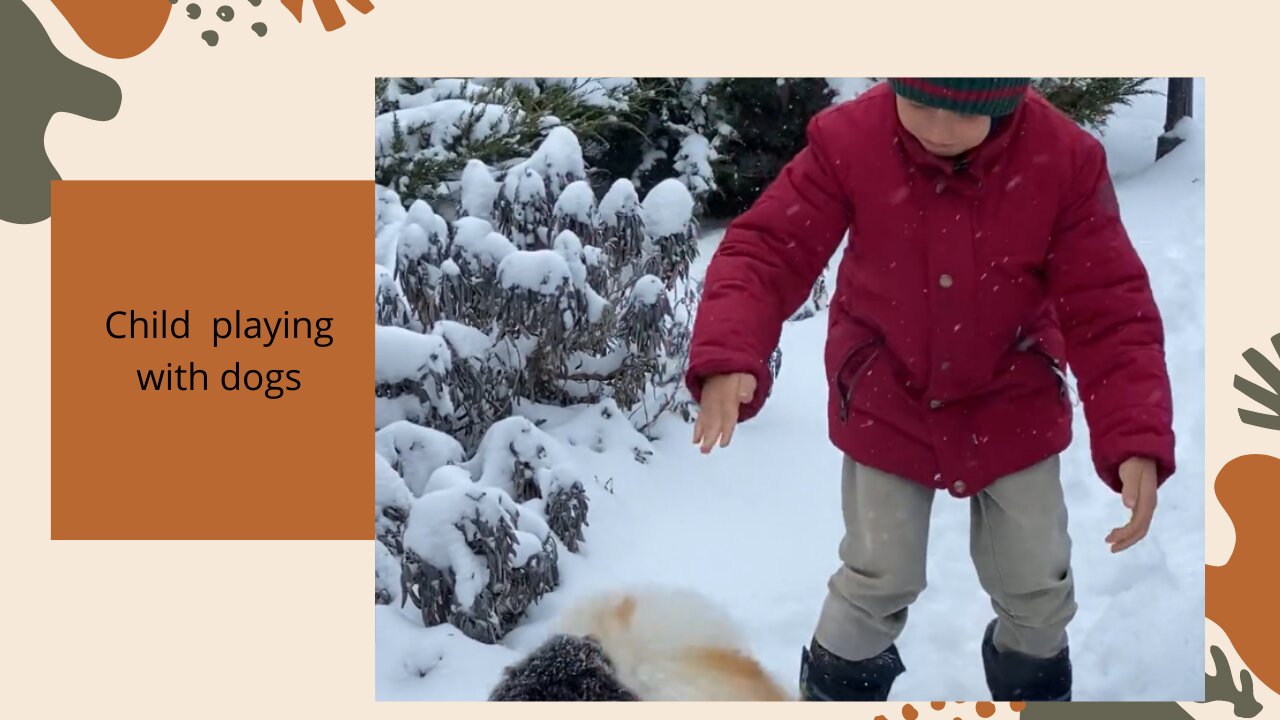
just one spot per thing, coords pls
(564, 668)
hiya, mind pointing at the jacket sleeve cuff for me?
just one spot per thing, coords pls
(702, 368)
(1113, 454)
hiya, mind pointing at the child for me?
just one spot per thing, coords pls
(985, 250)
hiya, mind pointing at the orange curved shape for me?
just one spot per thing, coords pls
(1238, 595)
(330, 15)
(116, 29)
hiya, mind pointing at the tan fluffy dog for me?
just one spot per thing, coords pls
(668, 644)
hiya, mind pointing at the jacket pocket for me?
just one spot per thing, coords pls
(1034, 348)
(859, 359)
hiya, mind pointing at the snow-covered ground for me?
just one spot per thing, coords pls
(755, 526)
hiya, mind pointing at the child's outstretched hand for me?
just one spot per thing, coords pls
(1138, 480)
(722, 395)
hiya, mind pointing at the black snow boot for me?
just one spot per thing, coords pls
(1016, 676)
(827, 676)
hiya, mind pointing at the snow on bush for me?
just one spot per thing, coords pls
(523, 210)
(569, 246)
(470, 561)
(464, 341)
(477, 248)
(479, 190)
(448, 476)
(389, 208)
(421, 244)
(434, 127)
(509, 456)
(620, 202)
(667, 212)
(404, 355)
(392, 500)
(444, 89)
(409, 376)
(693, 164)
(599, 92)
(566, 504)
(559, 160)
(575, 211)
(391, 306)
(647, 291)
(603, 428)
(416, 452)
(386, 575)
(538, 271)
(386, 243)
(429, 129)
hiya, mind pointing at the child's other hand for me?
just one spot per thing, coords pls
(1138, 479)
(722, 395)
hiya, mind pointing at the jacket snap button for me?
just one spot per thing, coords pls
(935, 404)
(945, 281)
(946, 365)
(942, 185)
(958, 486)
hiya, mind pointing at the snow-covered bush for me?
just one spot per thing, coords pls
(473, 558)
(416, 452)
(410, 371)
(566, 505)
(518, 289)
(523, 210)
(575, 211)
(477, 551)
(392, 308)
(391, 503)
(386, 575)
(420, 249)
(667, 213)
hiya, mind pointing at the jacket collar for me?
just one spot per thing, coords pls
(978, 161)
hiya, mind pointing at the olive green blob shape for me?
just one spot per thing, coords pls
(36, 81)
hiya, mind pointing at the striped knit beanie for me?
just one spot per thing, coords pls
(973, 96)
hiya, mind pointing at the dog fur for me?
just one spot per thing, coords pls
(653, 643)
(564, 668)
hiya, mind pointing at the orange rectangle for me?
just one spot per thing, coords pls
(226, 462)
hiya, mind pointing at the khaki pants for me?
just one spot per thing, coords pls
(1018, 542)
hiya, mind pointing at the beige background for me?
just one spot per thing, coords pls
(205, 629)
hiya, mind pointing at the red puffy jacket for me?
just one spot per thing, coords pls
(966, 288)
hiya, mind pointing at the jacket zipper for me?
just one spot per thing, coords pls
(846, 393)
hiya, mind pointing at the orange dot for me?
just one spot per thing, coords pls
(1017, 706)
(985, 709)
(937, 705)
(909, 712)
(881, 717)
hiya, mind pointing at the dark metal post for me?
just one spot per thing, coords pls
(1179, 105)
